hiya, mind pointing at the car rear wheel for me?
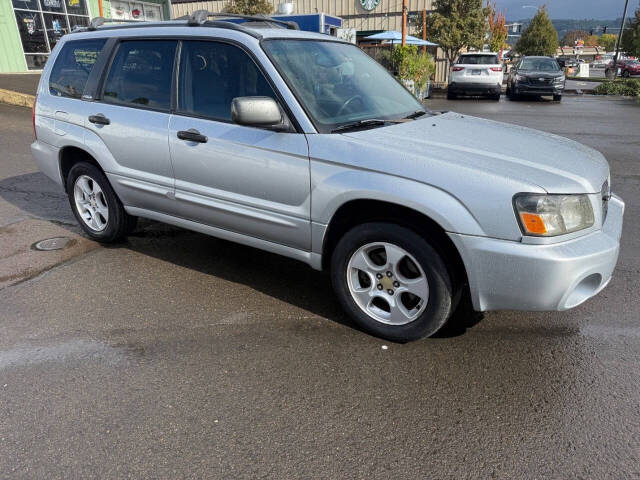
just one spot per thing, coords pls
(392, 282)
(626, 74)
(451, 96)
(96, 206)
(557, 98)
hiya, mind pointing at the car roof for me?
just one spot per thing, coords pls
(259, 30)
(478, 53)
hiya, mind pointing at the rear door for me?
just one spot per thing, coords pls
(478, 69)
(252, 181)
(128, 122)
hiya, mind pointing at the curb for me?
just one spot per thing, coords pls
(16, 98)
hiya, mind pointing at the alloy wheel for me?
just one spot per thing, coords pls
(387, 283)
(91, 203)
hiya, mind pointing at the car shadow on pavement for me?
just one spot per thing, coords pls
(279, 277)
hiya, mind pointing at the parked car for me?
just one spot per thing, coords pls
(476, 74)
(302, 145)
(626, 68)
(536, 76)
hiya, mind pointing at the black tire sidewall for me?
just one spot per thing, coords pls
(117, 222)
(439, 304)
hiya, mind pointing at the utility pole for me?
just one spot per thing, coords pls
(615, 57)
(424, 29)
(404, 22)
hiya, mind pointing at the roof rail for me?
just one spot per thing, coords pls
(199, 17)
(99, 21)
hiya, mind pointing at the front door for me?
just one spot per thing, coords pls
(247, 180)
(130, 121)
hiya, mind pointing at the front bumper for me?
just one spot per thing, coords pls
(530, 89)
(463, 88)
(506, 275)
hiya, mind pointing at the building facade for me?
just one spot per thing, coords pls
(366, 16)
(29, 29)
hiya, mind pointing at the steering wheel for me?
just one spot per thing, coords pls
(347, 103)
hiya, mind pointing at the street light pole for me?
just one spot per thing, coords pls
(615, 57)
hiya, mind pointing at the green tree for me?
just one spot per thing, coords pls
(608, 41)
(457, 24)
(572, 35)
(249, 7)
(630, 42)
(540, 38)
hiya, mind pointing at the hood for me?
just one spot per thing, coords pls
(495, 150)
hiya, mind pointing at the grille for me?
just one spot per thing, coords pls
(541, 81)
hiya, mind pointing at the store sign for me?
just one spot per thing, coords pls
(369, 4)
(31, 25)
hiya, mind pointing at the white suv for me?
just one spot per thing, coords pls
(476, 74)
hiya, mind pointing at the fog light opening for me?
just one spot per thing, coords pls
(586, 289)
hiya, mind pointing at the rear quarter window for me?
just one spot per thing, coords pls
(478, 60)
(140, 74)
(72, 67)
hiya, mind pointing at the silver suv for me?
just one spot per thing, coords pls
(302, 145)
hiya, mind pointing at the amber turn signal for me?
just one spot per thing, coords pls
(533, 223)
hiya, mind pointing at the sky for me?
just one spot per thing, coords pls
(575, 9)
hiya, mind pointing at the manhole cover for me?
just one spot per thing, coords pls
(56, 243)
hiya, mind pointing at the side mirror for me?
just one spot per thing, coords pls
(258, 112)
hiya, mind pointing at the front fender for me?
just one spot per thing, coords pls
(334, 185)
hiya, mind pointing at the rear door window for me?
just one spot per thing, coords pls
(212, 74)
(72, 68)
(478, 60)
(140, 74)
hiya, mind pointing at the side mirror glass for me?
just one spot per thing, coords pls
(258, 112)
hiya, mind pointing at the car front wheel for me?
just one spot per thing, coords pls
(557, 98)
(392, 281)
(96, 206)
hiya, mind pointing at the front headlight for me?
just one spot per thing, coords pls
(550, 215)
(559, 79)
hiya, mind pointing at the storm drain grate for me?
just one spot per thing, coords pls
(55, 243)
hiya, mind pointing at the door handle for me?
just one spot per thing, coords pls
(192, 135)
(99, 119)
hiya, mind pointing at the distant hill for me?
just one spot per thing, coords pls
(562, 26)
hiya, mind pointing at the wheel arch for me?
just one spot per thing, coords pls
(71, 155)
(364, 210)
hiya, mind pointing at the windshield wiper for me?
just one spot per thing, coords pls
(416, 114)
(371, 122)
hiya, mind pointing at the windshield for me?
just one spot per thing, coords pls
(338, 83)
(540, 64)
(478, 60)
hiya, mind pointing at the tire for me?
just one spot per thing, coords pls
(557, 98)
(416, 316)
(109, 222)
(495, 97)
(626, 74)
(451, 96)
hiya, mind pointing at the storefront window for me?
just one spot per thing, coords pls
(52, 5)
(77, 7)
(31, 32)
(124, 10)
(56, 26)
(42, 23)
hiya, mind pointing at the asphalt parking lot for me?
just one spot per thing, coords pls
(176, 355)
